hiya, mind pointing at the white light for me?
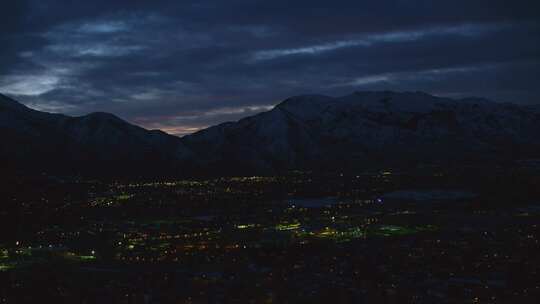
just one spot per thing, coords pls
(29, 84)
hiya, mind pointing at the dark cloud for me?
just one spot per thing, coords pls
(181, 65)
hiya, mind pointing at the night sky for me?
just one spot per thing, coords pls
(183, 65)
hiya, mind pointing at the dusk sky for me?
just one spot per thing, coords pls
(183, 65)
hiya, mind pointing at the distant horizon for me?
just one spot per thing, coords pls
(264, 108)
(183, 66)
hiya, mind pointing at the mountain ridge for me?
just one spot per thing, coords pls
(310, 130)
(305, 132)
(95, 143)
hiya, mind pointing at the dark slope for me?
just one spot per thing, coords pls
(95, 144)
(370, 129)
(310, 132)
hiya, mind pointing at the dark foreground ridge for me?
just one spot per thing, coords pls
(309, 132)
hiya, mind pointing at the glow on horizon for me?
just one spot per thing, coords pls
(31, 85)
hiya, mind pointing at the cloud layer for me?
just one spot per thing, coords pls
(184, 65)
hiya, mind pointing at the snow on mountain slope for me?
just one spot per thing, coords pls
(370, 127)
(311, 132)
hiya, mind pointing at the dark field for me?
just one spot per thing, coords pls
(428, 235)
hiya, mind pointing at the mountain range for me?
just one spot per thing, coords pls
(308, 132)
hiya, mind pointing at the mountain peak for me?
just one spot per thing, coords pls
(10, 103)
(308, 98)
(388, 93)
(304, 105)
(104, 116)
(306, 132)
(391, 101)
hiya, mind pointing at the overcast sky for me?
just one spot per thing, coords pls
(183, 65)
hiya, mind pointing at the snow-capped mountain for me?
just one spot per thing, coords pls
(370, 128)
(313, 132)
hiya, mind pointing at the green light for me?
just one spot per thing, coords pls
(285, 227)
(87, 257)
(245, 226)
(391, 230)
(123, 197)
